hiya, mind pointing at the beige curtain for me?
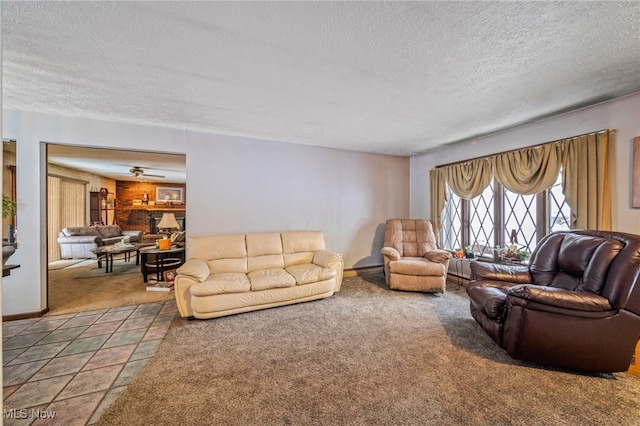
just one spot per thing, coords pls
(438, 191)
(585, 180)
(529, 170)
(470, 178)
(584, 161)
(66, 206)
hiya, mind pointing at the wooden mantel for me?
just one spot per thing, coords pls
(155, 208)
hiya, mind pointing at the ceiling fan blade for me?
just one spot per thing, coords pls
(148, 175)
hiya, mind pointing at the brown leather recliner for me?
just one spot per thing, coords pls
(412, 262)
(576, 305)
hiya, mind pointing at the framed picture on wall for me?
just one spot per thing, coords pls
(169, 195)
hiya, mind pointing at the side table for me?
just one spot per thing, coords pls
(158, 261)
(459, 264)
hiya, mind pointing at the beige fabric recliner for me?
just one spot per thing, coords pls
(412, 262)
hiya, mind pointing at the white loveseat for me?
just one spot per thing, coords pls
(230, 274)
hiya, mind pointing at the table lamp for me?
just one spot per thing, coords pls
(168, 222)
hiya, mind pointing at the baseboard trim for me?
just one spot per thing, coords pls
(364, 270)
(27, 315)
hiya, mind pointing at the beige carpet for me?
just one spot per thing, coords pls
(120, 267)
(63, 263)
(368, 355)
(70, 292)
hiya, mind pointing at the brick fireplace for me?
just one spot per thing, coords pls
(132, 215)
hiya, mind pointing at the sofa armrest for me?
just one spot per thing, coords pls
(333, 260)
(560, 297)
(325, 258)
(182, 292)
(391, 253)
(87, 239)
(438, 256)
(135, 236)
(111, 240)
(195, 268)
(498, 272)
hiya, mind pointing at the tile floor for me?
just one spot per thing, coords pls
(73, 366)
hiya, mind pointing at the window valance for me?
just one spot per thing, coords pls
(584, 161)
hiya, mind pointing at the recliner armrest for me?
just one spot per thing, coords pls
(391, 253)
(498, 272)
(438, 256)
(560, 297)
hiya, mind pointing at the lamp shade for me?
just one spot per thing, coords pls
(168, 221)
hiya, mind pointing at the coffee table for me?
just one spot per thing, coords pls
(107, 253)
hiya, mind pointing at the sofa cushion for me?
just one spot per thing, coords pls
(268, 261)
(81, 231)
(264, 244)
(218, 266)
(301, 258)
(310, 273)
(302, 241)
(228, 282)
(263, 279)
(109, 231)
(217, 247)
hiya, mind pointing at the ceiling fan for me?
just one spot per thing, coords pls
(138, 172)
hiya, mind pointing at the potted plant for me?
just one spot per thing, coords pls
(513, 253)
(9, 208)
(468, 252)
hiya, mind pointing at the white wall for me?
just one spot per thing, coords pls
(233, 185)
(622, 114)
(247, 185)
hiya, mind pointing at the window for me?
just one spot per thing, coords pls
(498, 216)
(452, 221)
(481, 213)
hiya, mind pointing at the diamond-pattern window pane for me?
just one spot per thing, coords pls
(452, 222)
(481, 223)
(559, 210)
(519, 215)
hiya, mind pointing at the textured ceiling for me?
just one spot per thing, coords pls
(389, 77)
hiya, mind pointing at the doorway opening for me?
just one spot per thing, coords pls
(92, 195)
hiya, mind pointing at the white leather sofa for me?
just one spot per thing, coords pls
(230, 274)
(77, 242)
